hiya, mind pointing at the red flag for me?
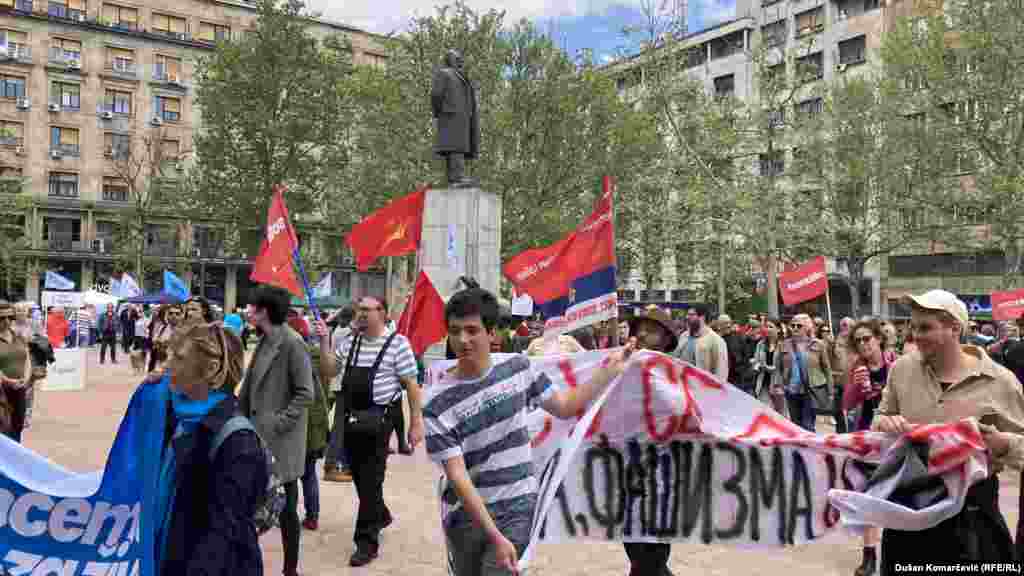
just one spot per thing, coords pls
(1008, 305)
(274, 264)
(422, 321)
(803, 283)
(394, 230)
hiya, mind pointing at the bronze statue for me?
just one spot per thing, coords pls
(453, 100)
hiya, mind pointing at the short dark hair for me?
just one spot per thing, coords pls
(473, 302)
(700, 309)
(274, 300)
(207, 310)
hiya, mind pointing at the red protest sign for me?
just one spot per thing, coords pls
(1008, 305)
(803, 283)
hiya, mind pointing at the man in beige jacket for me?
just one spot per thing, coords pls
(702, 346)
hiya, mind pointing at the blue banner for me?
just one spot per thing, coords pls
(174, 287)
(53, 521)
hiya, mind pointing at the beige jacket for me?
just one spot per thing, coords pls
(708, 352)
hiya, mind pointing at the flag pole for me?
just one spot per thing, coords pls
(607, 186)
(297, 258)
(828, 307)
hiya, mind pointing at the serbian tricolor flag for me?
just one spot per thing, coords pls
(394, 230)
(422, 321)
(572, 282)
(274, 264)
(1008, 305)
(805, 282)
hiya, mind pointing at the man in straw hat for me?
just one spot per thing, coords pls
(947, 382)
(652, 329)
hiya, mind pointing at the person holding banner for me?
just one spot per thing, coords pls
(947, 382)
(16, 374)
(477, 431)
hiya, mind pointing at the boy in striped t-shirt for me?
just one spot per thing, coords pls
(475, 419)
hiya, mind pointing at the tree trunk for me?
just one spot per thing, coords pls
(721, 281)
(773, 280)
(855, 276)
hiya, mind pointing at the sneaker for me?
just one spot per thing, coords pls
(337, 476)
(364, 555)
(311, 524)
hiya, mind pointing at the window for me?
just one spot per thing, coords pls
(12, 86)
(170, 149)
(116, 145)
(853, 8)
(167, 68)
(12, 133)
(811, 108)
(10, 173)
(120, 17)
(811, 66)
(61, 232)
(63, 185)
(776, 117)
(213, 32)
(64, 140)
(68, 96)
(167, 109)
(16, 43)
(170, 26)
(63, 50)
(963, 111)
(852, 51)
(71, 9)
(774, 34)
(115, 190)
(725, 86)
(118, 102)
(810, 22)
(727, 45)
(105, 229)
(121, 60)
(696, 56)
(772, 164)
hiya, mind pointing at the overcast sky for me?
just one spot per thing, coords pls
(575, 24)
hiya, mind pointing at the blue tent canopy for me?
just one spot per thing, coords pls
(158, 298)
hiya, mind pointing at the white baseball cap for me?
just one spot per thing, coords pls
(942, 301)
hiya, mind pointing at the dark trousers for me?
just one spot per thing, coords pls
(111, 342)
(367, 459)
(336, 455)
(290, 528)
(837, 411)
(311, 488)
(18, 401)
(801, 410)
(398, 421)
(127, 335)
(647, 559)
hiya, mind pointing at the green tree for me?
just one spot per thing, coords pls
(958, 67)
(14, 207)
(276, 108)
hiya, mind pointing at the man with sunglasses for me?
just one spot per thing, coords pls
(376, 365)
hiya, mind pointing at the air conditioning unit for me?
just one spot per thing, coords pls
(109, 151)
(24, 104)
(196, 252)
(53, 107)
(20, 150)
(80, 17)
(348, 260)
(157, 121)
(75, 64)
(107, 115)
(55, 154)
(98, 246)
(841, 67)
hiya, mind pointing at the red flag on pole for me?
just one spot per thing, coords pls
(422, 321)
(394, 230)
(1008, 305)
(803, 283)
(274, 264)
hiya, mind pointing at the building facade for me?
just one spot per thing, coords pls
(835, 37)
(82, 80)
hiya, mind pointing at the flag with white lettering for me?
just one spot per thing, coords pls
(805, 282)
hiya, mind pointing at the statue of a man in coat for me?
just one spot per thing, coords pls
(453, 101)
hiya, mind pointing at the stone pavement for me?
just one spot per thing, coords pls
(76, 429)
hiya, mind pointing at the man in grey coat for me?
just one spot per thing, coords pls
(453, 101)
(275, 395)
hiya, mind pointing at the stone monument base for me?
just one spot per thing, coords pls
(461, 237)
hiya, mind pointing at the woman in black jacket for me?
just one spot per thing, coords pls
(208, 498)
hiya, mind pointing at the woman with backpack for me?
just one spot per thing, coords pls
(214, 471)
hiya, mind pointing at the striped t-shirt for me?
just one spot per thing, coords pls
(484, 421)
(398, 362)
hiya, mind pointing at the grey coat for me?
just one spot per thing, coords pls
(275, 395)
(453, 101)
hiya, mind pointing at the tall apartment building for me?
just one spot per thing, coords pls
(81, 80)
(835, 36)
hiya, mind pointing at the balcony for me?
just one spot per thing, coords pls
(12, 141)
(58, 10)
(22, 6)
(70, 61)
(170, 34)
(16, 53)
(121, 69)
(65, 243)
(64, 150)
(162, 249)
(161, 76)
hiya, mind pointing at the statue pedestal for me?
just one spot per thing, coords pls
(471, 219)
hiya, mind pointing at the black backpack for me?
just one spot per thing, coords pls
(269, 510)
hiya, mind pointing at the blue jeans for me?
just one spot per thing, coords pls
(801, 410)
(311, 489)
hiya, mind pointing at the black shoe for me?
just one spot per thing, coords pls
(363, 556)
(405, 450)
(867, 566)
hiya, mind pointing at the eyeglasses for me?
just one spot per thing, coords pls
(863, 339)
(363, 310)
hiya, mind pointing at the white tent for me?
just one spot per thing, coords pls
(98, 298)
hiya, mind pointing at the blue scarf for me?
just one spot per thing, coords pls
(189, 414)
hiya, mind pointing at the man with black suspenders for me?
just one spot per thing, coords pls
(377, 366)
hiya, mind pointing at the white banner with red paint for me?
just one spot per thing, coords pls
(671, 454)
(1008, 305)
